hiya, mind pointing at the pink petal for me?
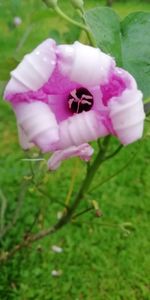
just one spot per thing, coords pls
(59, 106)
(59, 84)
(84, 64)
(119, 80)
(29, 96)
(84, 151)
(97, 96)
(114, 87)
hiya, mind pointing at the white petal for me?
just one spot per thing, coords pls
(127, 115)
(84, 64)
(81, 128)
(38, 123)
(34, 70)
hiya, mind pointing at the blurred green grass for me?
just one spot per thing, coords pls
(100, 261)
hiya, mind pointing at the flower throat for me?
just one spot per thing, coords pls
(80, 100)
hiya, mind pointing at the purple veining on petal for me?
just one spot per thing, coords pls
(114, 87)
(56, 85)
(27, 96)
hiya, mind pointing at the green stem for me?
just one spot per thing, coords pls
(129, 162)
(74, 22)
(82, 212)
(68, 19)
(70, 211)
(114, 153)
(89, 33)
(85, 185)
(2, 210)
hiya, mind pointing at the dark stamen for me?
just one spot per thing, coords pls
(80, 100)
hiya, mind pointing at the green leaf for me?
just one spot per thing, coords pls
(128, 42)
(6, 66)
(105, 26)
(73, 34)
(136, 48)
(56, 35)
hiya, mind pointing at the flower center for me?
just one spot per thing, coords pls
(80, 100)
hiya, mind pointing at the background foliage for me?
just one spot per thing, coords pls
(103, 258)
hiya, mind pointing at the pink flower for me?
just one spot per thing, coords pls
(66, 96)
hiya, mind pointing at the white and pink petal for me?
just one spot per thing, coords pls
(127, 115)
(81, 128)
(84, 64)
(84, 151)
(38, 123)
(34, 70)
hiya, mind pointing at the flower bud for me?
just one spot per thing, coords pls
(77, 3)
(50, 3)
